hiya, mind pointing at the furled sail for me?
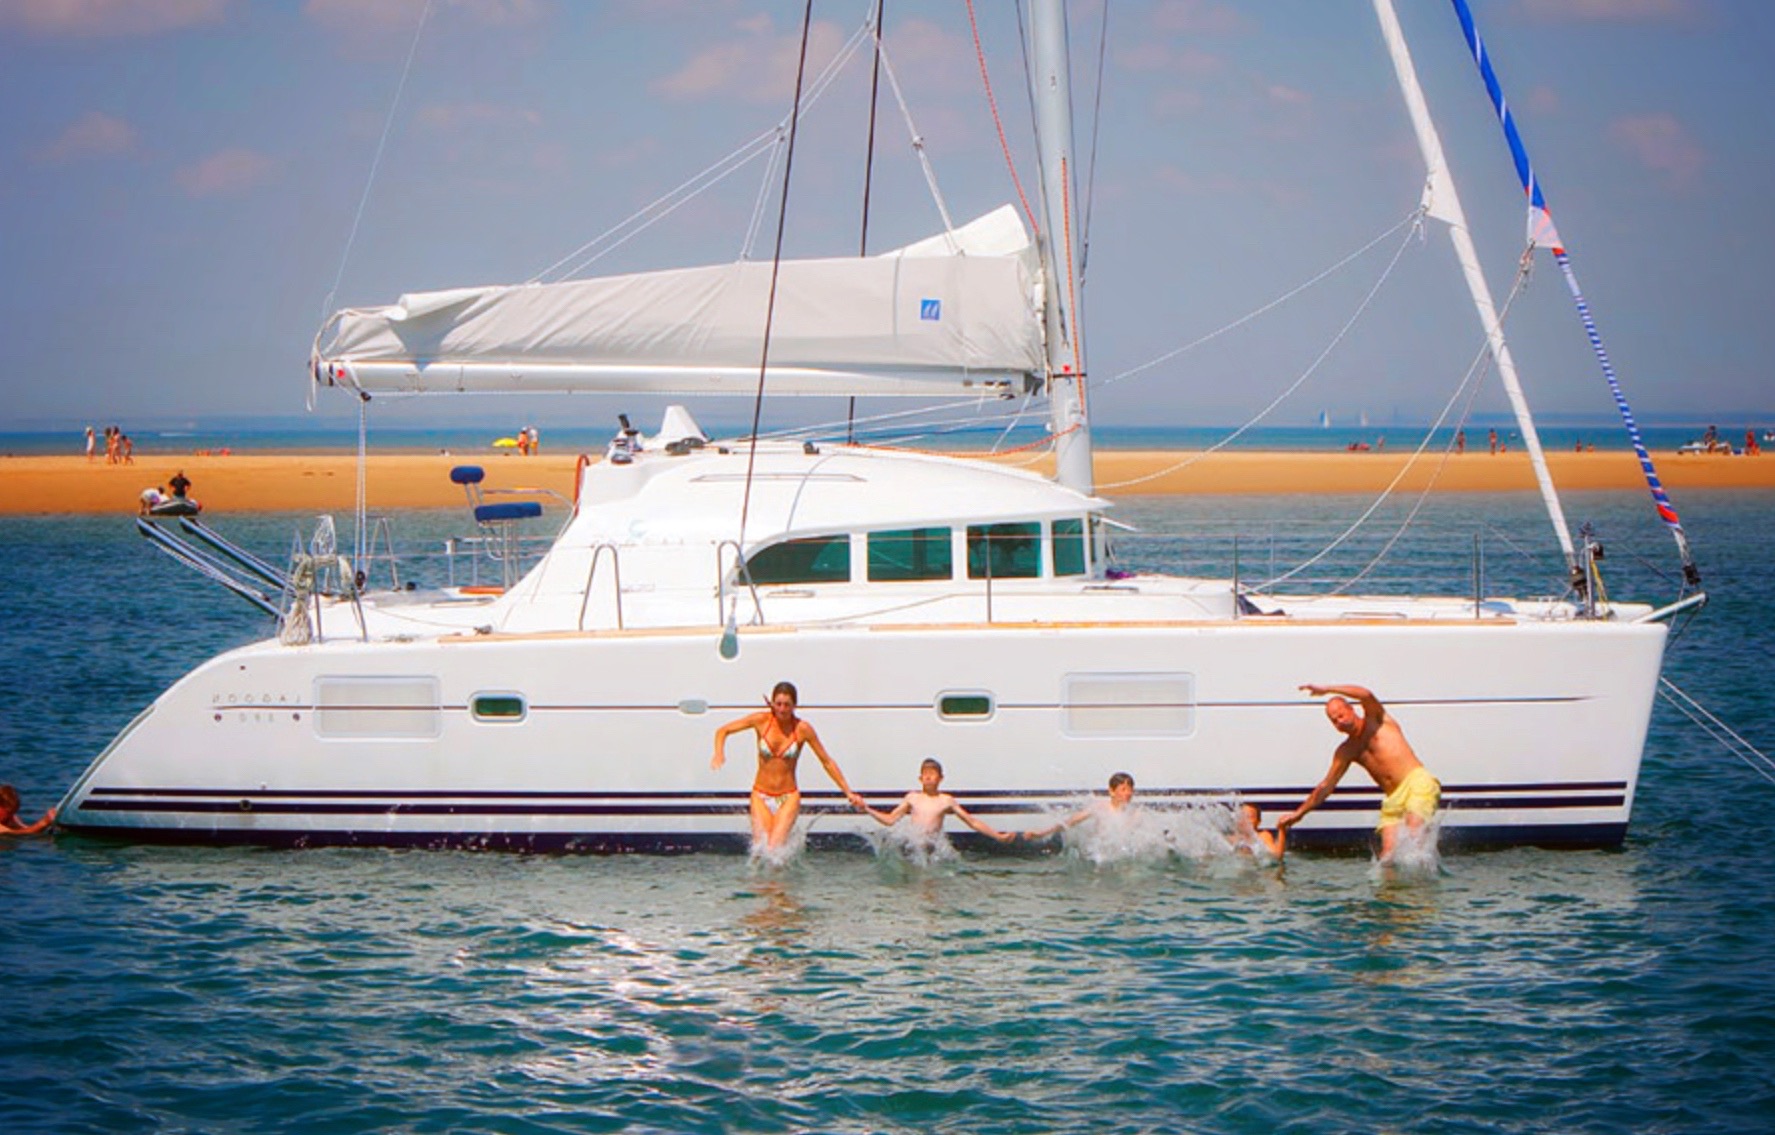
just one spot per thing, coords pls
(957, 314)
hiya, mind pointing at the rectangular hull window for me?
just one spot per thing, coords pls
(964, 706)
(377, 708)
(498, 707)
(1130, 705)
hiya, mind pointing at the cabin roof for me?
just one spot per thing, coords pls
(697, 497)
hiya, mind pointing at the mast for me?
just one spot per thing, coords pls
(1050, 82)
(1442, 203)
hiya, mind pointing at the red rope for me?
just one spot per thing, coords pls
(1005, 146)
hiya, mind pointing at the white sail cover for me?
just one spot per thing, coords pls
(955, 314)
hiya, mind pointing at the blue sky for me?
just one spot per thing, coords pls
(183, 175)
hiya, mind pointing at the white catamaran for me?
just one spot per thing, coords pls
(924, 604)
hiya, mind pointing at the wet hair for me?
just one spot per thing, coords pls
(1256, 812)
(785, 688)
(932, 762)
(1120, 779)
(8, 797)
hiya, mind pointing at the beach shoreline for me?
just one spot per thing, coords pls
(321, 482)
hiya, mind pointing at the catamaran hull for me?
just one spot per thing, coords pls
(601, 742)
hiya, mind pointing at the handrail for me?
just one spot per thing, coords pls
(745, 570)
(592, 575)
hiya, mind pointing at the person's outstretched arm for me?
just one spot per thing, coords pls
(981, 826)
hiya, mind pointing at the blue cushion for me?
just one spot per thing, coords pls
(507, 510)
(467, 474)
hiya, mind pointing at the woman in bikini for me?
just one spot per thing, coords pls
(776, 799)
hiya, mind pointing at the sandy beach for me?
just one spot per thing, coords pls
(327, 482)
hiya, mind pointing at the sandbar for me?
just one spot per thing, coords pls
(327, 482)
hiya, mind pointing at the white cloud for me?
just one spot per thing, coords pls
(92, 135)
(226, 173)
(100, 18)
(1663, 145)
(756, 66)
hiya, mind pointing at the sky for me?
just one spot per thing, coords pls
(191, 184)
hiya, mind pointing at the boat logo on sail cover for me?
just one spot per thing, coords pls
(930, 309)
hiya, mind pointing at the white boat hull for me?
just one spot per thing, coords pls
(1534, 729)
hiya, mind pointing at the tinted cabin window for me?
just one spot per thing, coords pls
(911, 553)
(1069, 547)
(820, 559)
(1005, 551)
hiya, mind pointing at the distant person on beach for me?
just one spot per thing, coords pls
(91, 441)
(127, 449)
(9, 821)
(1751, 448)
(928, 804)
(180, 485)
(535, 441)
(776, 797)
(1491, 437)
(1121, 797)
(152, 497)
(1460, 441)
(1375, 742)
(1249, 838)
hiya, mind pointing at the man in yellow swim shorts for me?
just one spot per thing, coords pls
(1374, 741)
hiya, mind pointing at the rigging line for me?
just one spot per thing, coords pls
(992, 102)
(1096, 127)
(1411, 218)
(376, 161)
(717, 171)
(868, 181)
(1312, 368)
(762, 200)
(1711, 724)
(924, 159)
(1470, 379)
(1012, 424)
(776, 263)
(1542, 231)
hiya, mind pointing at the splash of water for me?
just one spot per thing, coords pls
(907, 844)
(1415, 855)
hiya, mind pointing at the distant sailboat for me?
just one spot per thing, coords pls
(1324, 419)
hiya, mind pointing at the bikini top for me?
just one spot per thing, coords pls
(792, 753)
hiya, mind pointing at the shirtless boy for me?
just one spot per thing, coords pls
(1249, 838)
(1375, 742)
(927, 805)
(1121, 794)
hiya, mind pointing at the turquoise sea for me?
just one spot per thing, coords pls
(230, 990)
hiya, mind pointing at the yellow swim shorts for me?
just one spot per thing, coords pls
(1417, 795)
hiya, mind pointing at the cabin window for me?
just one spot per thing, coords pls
(377, 708)
(818, 559)
(964, 706)
(1069, 547)
(498, 707)
(910, 553)
(1130, 705)
(1005, 551)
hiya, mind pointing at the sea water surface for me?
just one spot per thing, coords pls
(217, 990)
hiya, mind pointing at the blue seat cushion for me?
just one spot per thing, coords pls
(467, 474)
(507, 510)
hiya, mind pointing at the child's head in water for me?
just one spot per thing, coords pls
(1121, 789)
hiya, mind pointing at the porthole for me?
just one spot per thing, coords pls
(964, 706)
(498, 707)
